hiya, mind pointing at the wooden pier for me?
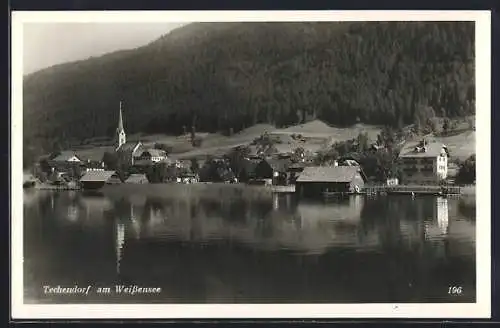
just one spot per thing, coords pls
(412, 190)
(57, 187)
(284, 189)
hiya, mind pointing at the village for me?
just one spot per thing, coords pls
(422, 167)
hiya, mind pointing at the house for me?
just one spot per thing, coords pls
(187, 177)
(65, 161)
(29, 180)
(93, 159)
(424, 162)
(294, 171)
(254, 153)
(314, 181)
(347, 162)
(273, 168)
(151, 156)
(392, 181)
(137, 179)
(248, 169)
(96, 179)
(130, 151)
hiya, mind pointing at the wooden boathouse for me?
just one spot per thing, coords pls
(93, 180)
(321, 180)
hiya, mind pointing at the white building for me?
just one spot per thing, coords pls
(424, 162)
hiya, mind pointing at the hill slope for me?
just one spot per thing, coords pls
(222, 75)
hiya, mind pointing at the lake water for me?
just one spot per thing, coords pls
(235, 250)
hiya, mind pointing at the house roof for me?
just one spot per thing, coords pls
(328, 174)
(348, 162)
(137, 178)
(129, 146)
(250, 165)
(157, 152)
(94, 154)
(101, 176)
(433, 149)
(65, 156)
(277, 164)
(284, 148)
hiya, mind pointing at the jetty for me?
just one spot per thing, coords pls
(283, 189)
(45, 186)
(414, 190)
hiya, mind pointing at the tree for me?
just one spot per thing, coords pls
(362, 141)
(446, 125)
(326, 157)
(195, 166)
(467, 171)
(237, 158)
(110, 160)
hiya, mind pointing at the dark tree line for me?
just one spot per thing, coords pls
(228, 76)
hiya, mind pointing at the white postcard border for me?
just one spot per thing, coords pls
(480, 309)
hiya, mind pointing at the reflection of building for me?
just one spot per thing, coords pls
(73, 213)
(345, 210)
(120, 241)
(442, 214)
(95, 205)
(439, 226)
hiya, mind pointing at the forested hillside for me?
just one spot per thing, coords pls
(219, 76)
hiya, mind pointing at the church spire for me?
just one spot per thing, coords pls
(120, 120)
(120, 131)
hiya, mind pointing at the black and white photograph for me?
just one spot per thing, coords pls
(250, 164)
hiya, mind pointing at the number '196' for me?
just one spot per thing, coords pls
(454, 290)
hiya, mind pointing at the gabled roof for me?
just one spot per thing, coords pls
(94, 154)
(433, 149)
(98, 176)
(283, 148)
(155, 152)
(277, 164)
(129, 146)
(329, 174)
(65, 156)
(249, 165)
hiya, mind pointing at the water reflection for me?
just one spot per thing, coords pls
(120, 241)
(249, 249)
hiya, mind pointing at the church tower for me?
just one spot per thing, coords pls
(120, 132)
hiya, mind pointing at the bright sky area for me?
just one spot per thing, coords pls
(48, 44)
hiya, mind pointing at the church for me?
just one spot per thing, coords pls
(134, 152)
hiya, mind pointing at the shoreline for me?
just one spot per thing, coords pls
(207, 190)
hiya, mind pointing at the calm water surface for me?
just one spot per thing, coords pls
(276, 250)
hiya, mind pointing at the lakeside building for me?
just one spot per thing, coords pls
(273, 168)
(65, 161)
(316, 180)
(97, 179)
(424, 162)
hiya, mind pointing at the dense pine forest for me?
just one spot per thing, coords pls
(229, 76)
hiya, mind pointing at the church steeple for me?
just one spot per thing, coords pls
(120, 119)
(120, 131)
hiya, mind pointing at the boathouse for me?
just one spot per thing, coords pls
(96, 179)
(318, 180)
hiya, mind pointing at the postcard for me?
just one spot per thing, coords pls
(250, 164)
